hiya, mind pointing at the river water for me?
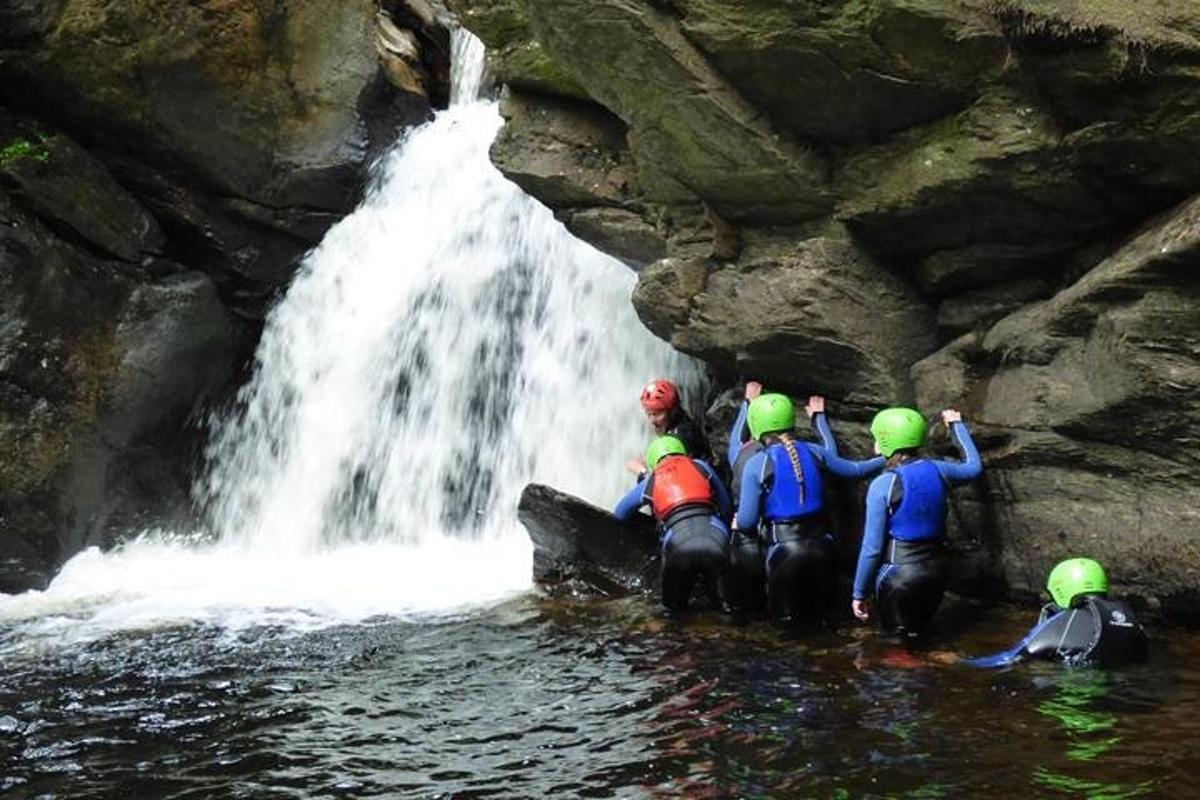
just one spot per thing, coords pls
(355, 616)
(535, 698)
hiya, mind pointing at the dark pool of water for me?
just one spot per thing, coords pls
(597, 699)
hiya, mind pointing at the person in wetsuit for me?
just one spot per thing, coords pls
(781, 488)
(1081, 626)
(663, 409)
(902, 557)
(690, 504)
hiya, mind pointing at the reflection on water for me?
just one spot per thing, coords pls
(599, 699)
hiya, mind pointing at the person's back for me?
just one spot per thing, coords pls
(1082, 626)
(690, 504)
(902, 556)
(782, 492)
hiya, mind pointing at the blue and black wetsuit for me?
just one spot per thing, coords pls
(691, 505)
(1095, 630)
(902, 556)
(782, 487)
(746, 585)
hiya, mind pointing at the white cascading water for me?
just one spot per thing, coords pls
(447, 343)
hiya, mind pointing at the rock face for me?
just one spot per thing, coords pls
(581, 549)
(106, 348)
(162, 168)
(981, 204)
(245, 129)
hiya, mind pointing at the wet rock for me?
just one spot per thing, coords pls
(573, 156)
(241, 107)
(101, 367)
(979, 309)
(693, 134)
(1090, 397)
(565, 153)
(991, 174)
(515, 57)
(580, 548)
(67, 188)
(818, 315)
(842, 72)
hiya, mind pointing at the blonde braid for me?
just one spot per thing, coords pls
(790, 446)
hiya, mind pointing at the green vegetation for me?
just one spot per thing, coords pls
(19, 149)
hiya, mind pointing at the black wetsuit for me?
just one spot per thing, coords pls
(1096, 631)
(687, 431)
(695, 537)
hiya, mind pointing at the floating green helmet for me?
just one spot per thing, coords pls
(770, 413)
(1075, 577)
(662, 447)
(898, 429)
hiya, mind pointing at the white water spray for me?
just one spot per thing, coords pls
(447, 343)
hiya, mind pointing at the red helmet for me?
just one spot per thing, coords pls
(660, 395)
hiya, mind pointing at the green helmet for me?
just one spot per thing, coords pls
(662, 447)
(1075, 577)
(770, 413)
(898, 429)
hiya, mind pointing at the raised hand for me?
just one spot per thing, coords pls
(950, 415)
(816, 405)
(753, 389)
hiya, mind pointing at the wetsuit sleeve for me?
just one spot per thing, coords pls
(739, 434)
(870, 555)
(844, 467)
(971, 467)
(634, 499)
(751, 493)
(724, 504)
(1020, 651)
(821, 425)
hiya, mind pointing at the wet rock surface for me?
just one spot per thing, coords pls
(581, 549)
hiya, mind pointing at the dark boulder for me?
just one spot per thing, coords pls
(579, 548)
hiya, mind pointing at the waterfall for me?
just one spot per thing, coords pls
(445, 344)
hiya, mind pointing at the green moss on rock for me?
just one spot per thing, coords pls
(24, 149)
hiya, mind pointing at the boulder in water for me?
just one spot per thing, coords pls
(581, 549)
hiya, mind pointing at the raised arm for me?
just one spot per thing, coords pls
(971, 466)
(634, 499)
(739, 434)
(816, 412)
(844, 467)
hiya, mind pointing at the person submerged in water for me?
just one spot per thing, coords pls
(1081, 626)
(690, 504)
(902, 557)
(664, 410)
(781, 488)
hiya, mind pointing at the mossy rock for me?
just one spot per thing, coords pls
(261, 100)
(818, 315)
(515, 57)
(995, 173)
(693, 135)
(847, 71)
(57, 180)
